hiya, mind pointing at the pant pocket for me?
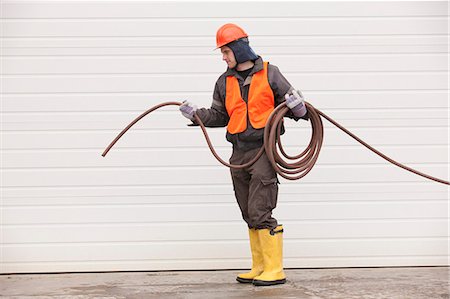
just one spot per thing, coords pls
(271, 190)
(271, 181)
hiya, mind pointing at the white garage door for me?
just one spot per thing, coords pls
(76, 73)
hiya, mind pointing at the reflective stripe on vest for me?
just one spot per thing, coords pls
(260, 102)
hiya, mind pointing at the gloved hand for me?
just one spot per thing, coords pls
(296, 103)
(188, 109)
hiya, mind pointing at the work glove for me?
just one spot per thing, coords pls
(296, 103)
(188, 110)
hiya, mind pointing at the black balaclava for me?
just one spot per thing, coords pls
(242, 51)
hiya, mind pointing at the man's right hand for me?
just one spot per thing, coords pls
(188, 110)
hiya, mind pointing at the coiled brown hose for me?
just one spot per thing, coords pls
(289, 167)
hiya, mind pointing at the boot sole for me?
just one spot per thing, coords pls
(244, 280)
(264, 283)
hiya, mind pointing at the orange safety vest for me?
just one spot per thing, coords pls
(258, 107)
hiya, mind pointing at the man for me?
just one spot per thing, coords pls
(244, 96)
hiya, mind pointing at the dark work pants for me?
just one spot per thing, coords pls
(255, 188)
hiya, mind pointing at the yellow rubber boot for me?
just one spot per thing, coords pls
(272, 250)
(257, 258)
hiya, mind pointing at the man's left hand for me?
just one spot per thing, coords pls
(296, 103)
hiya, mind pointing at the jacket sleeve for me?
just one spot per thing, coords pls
(280, 86)
(217, 115)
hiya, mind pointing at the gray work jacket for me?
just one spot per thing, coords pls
(217, 115)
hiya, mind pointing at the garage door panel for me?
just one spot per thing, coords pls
(215, 250)
(138, 103)
(198, 27)
(180, 9)
(199, 198)
(169, 119)
(178, 83)
(175, 122)
(296, 193)
(193, 138)
(297, 46)
(281, 44)
(290, 63)
(242, 263)
(220, 212)
(351, 155)
(149, 232)
(205, 175)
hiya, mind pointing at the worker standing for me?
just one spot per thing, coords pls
(244, 97)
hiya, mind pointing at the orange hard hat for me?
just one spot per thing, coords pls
(229, 33)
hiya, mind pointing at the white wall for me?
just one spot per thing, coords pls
(75, 73)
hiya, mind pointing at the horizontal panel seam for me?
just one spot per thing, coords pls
(227, 241)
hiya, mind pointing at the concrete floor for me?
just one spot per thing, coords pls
(411, 283)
